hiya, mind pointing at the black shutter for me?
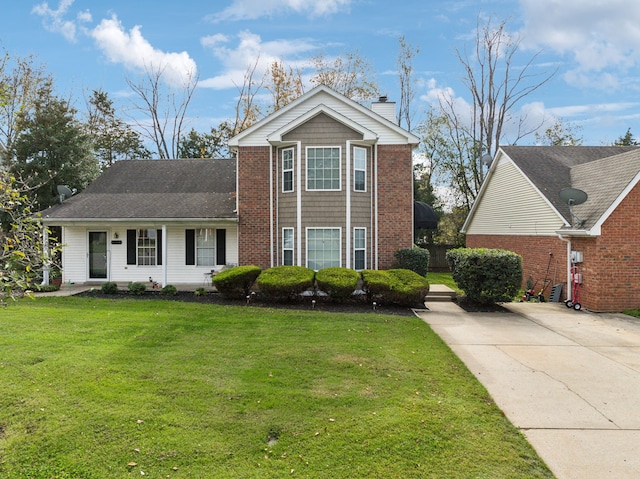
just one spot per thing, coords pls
(159, 247)
(131, 247)
(190, 247)
(221, 246)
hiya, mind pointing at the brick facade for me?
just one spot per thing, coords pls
(395, 202)
(253, 206)
(611, 266)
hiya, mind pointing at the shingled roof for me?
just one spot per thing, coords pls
(603, 172)
(154, 189)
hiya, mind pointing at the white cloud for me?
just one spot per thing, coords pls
(133, 51)
(597, 35)
(53, 19)
(236, 59)
(252, 9)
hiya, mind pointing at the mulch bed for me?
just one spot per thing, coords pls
(353, 306)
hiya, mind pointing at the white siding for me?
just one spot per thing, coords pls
(386, 135)
(75, 257)
(510, 205)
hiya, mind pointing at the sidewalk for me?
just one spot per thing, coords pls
(569, 380)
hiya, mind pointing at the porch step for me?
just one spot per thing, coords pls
(440, 292)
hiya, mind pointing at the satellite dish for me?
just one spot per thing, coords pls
(64, 192)
(486, 159)
(572, 197)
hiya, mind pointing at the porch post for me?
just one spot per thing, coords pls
(164, 255)
(45, 255)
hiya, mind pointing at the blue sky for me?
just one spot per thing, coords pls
(85, 45)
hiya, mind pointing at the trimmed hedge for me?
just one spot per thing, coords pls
(110, 287)
(486, 275)
(400, 286)
(169, 290)
(338, 283)
(414, 259)
(236, 282)
(137, 288)
(408, 287)
(281, 282)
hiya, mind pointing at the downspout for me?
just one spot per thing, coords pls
(298, 234)
(568, 269)
(271, 246)
(347, 234)
(375, 206)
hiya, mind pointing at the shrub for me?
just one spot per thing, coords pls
(414, 259)
(376, 283)
(338, 283)
(408, 288)
(400, 286)
(236, 283)
(169, 290)
(200, 292)
(281, 282)
(42, 288)
(137, 289)
(486, 275)
(109, 287)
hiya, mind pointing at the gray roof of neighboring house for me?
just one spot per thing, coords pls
(603, 172)
(154, 189)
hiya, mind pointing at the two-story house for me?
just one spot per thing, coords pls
(322, 182)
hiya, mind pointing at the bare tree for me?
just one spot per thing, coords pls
(497, 86)
(560, 134)
(405, 77)
(248, 110)
(349, 74)
(164, 109)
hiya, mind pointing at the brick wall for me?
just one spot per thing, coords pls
(535, 257)
(395, 202)
(253, 206)
(611, 267)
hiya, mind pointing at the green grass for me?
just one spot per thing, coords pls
(443, 278)
(188, 390)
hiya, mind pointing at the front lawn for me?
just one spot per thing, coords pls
(94, 388)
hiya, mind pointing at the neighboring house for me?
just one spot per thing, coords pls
(322, 182)
(519, 208)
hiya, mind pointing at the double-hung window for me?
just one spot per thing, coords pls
(205, 247)
(287, 170)
(323, 168)
(359, 169)
(146, 246)
(323, 248)
(287, 246)
(359, 249)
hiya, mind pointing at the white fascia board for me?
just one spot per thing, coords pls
(597, 228)
(275, 138)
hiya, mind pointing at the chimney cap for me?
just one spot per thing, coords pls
(383, 99)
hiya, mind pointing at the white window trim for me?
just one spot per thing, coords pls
(339, 229)
(291, 170)
(356, 148)
(306, 183)
(292, 249)
(212, 232)
(359, 249)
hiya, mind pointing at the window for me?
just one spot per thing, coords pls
(287, 170)
(323, 248)
(359, 169)
(205, 247)
(359, 249)
(146, 245)
(287, 246)
(323, 168)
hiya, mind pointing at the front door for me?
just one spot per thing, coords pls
(97, 255)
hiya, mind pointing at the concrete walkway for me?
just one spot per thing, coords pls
(569, 380)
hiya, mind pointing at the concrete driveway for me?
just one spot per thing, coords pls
(569, 380)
